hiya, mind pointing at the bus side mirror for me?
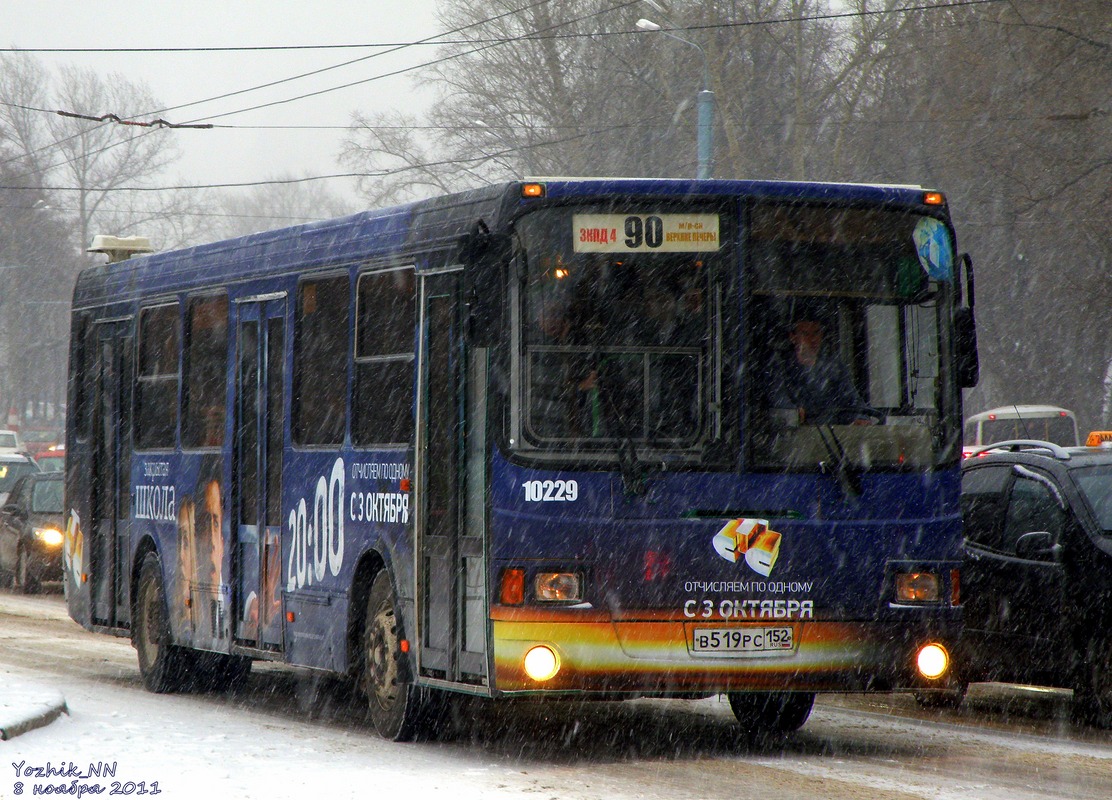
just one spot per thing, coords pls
(967, 365)
(484, 256)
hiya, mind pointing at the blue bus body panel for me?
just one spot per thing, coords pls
(650, 557)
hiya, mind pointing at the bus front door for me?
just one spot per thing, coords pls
(451, 488)
(258, 452)
(111, 500)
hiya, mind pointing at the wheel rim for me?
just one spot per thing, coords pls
(382, 665)
(150, 622)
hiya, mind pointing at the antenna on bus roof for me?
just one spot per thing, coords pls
(120, 248)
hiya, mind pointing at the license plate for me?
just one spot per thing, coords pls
(743, 641)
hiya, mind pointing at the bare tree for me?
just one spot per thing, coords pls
(37, 268)
(544, 89)
(573, 89)
(85, 164)
(1007, 108)
(284, 200)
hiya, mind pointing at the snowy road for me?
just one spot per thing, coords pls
(288, 736)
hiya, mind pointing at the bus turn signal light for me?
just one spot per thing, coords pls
(513, 587)
(532, 190)
(934, 199)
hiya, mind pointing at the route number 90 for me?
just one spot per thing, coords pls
(644, 230)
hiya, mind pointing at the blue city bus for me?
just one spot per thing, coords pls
(546, 438)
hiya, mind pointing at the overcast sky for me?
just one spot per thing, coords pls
(242, 153)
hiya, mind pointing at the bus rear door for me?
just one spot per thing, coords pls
(450, 473)
(111, 499)
(258, 452)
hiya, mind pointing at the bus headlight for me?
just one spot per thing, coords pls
(51, 537)
(932, 661)
(541, 663)
(557, 587)
(917, 587)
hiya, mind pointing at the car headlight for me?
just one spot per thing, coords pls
(51, 537)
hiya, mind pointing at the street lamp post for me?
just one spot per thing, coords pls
(705, 105)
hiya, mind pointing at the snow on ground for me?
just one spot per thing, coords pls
(178, 747)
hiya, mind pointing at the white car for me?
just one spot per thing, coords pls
(12, 467)
(10, 442)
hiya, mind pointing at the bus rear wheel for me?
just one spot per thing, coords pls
(163, 666)
(763, 714)
(397, 707)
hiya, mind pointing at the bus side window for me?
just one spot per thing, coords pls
(205, 370)
(320, 359)
(386, 319)
(83, 357)
(156, 414)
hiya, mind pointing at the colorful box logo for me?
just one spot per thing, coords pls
(749, 539)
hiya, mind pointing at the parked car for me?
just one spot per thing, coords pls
(52, 459)
(10, 442)
(1036, 582)
(13, 466)
(31, 531)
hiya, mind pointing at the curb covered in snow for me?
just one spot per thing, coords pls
(24, 707)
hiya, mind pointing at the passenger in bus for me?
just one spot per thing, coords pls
(815, 383)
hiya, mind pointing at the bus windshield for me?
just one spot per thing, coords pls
(844, 357)
(615, 328)
(626, 335)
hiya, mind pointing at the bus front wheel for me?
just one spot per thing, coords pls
(162, 665)
(771, 713)
(397, 706)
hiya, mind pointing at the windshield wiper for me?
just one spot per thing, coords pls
(633, 475)
(849, 479)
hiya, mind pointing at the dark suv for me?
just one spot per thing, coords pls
(1037, 579)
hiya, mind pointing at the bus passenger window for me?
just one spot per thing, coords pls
(156, 417)
(320, 359)
(205, 371)
(83, 358)
(386, 320)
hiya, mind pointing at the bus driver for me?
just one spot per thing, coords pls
(815, 382)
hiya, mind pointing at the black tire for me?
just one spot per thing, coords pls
(399, 710)
(764, 714)
(1092, 689)
(24, 581)
(164, 666)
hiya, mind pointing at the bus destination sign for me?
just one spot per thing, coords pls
(645, 233)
